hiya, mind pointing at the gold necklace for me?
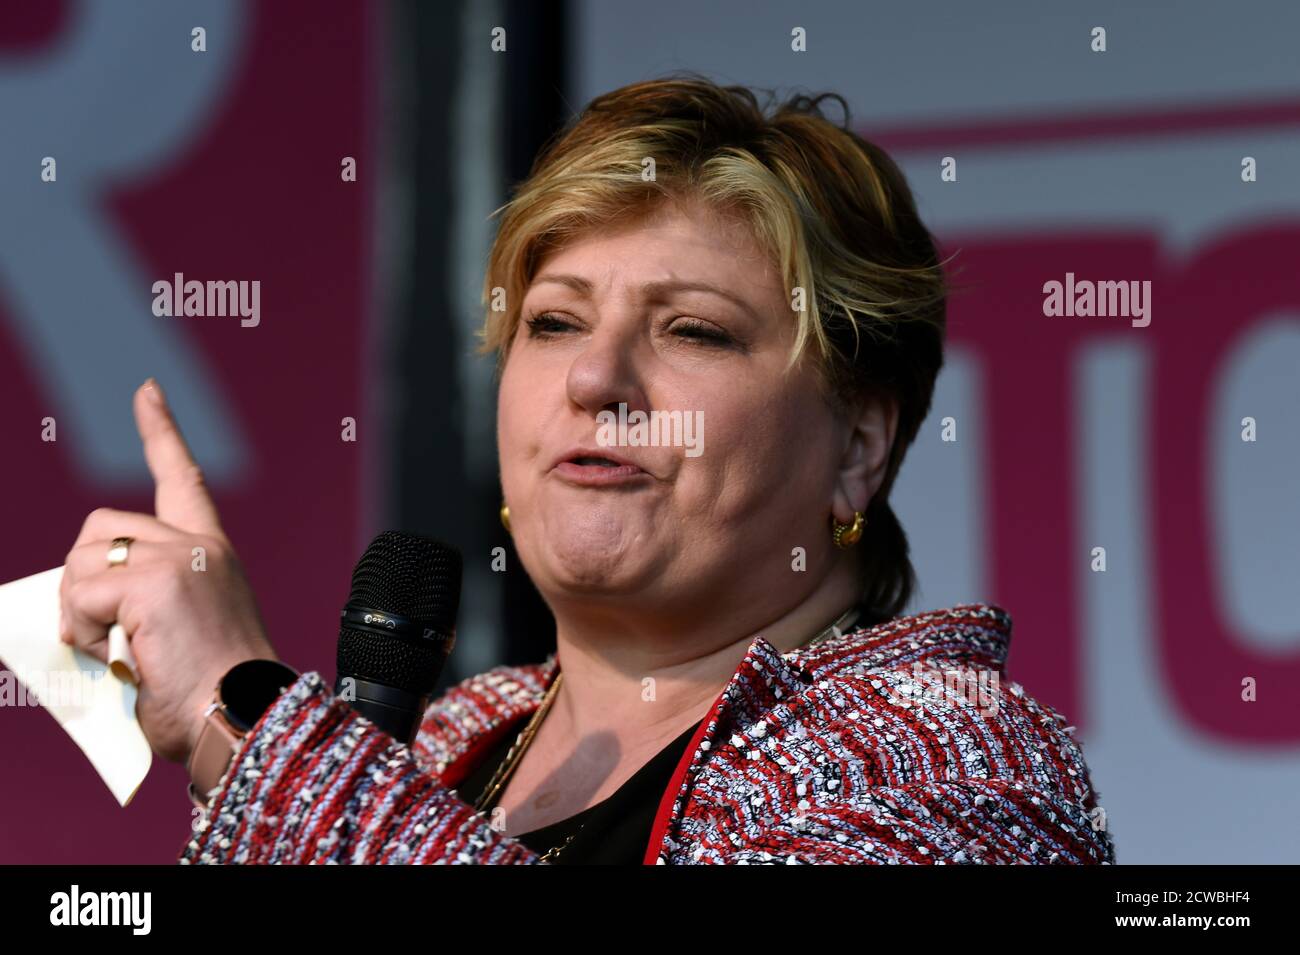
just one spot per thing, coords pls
(517, 750)
(844, 621)
(507, 766)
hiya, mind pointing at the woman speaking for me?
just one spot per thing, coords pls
(732, 680)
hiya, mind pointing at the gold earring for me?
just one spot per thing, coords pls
(505, 517)
(846, 535)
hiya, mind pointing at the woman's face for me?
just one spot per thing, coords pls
(623, 317)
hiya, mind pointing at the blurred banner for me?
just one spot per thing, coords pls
(222, 164)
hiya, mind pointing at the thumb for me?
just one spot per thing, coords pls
(181, 496)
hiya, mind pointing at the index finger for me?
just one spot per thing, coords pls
(181, 496)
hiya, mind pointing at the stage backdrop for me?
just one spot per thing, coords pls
(1169, 158)
(220, 164)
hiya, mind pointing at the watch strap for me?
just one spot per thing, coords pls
(213, 752)
(223, 733)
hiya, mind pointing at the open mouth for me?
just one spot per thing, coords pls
(596, 470)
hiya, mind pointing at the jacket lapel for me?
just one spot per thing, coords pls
(761, 682)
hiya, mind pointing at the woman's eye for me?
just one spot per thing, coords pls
(698, 331)
(546, 324)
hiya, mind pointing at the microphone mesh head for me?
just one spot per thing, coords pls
(410, 576)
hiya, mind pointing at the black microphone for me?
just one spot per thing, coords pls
(397, 630)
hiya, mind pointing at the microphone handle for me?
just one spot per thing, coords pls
(398, 713)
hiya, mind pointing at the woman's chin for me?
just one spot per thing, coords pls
(580, 561)
(594, 544)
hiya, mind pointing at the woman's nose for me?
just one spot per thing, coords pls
(607, 372)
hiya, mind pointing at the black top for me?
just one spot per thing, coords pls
(615, 830)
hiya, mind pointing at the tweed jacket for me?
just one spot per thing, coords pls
(897, 743)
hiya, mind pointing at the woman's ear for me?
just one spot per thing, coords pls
(872, 424)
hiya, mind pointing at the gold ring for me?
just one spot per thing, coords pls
(118, 551)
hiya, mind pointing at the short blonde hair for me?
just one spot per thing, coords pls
(832, 210)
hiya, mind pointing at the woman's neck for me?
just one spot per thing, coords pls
(647, 678)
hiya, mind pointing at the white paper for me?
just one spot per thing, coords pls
(100, 714)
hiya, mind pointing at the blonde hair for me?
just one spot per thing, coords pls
(831, 209)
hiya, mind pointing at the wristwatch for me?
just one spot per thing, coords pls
(241, 698)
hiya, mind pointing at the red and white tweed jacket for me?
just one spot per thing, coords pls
(898, 743)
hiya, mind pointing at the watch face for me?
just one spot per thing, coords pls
(249, 689)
